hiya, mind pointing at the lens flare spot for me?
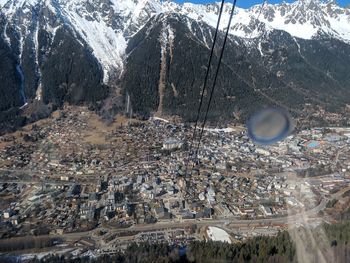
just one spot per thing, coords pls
(269, 126)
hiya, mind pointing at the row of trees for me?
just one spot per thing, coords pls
(260, 249)
(338, 233)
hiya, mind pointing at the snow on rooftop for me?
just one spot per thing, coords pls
(225, 130)
(218, 234)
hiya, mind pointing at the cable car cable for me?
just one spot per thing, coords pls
(216, 77)
(205, 82)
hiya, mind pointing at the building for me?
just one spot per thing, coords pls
(162, 213)
(8, 213)
(172, 144)
(266, 210)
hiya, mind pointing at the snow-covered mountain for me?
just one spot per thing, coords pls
(77, 50)
(107, 25)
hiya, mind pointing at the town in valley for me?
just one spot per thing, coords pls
(98, 186)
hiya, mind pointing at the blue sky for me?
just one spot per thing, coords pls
(248, 3)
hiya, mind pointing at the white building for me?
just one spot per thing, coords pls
(266, 210)
(172, 144)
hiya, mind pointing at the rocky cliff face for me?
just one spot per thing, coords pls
(275, 69)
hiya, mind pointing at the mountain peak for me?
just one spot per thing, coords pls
(309, 1)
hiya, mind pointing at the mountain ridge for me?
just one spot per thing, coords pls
(82, 51)
(106, 26)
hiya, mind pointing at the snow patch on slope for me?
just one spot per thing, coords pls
(7, 39)
(36, 45)
(108, 45)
